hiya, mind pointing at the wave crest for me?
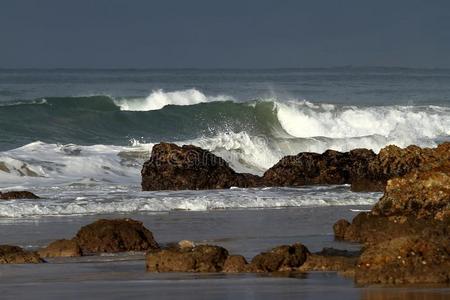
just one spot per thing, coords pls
(159, 99)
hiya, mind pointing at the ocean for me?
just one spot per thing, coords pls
(78, 139)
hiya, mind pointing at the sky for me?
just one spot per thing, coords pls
(223, 34)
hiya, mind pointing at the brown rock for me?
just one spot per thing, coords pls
(16, 255)
(202, 258)
(235, 264)
(422, 194)
(112, 236)
(416, 259)
(340, 228)
(330, 259)
(17, 195)
(61, 248)
(176, 168)
(282, 258)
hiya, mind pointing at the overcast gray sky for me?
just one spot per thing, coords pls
(226, 33)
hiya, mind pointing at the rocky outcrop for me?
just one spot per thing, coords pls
(331, 167)
(172, 167)
(202, 258)
(407, 232)
(112, 236)
(410, 204)
(16, 255)
(414, 259)
(188, 167)
(61, 248)
(280, 259)
(17, 195)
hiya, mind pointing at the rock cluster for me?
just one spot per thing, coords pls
(207, 258)
(172, 167)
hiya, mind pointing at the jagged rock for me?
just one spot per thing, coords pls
(17, 195)
(422, 194)
(415, 259)
(282, 258)
(202, 258)
(112, 236)
(235, 264)
(61, 248)
(16, 255)
(172, 167)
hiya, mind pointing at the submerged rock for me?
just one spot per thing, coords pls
(61, 248)
(16, 255)
(172, 167)
(17, 195)
(202, 258)
(280, 259)
(330, 259)
(112, 236)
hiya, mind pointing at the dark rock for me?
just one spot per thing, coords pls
(17, 195)
(188, 167)
(202, 258)
(331, 167)
(16, 255)
(112, 236)
(235, 264)
(280, 259)
(61, 248)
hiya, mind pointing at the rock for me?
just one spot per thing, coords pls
(412, 203)
(17, 195)
(188, 167)
(172, 167)
(112, 236)
(202, 258)
(329, 259)
(235, 264)
(340, 228)
(282, 258)
(331, 167)
(185, 244)
(16, 255)
(415, 259)
(61, 248)
(422, 194)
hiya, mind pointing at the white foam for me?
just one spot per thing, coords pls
(67, 202)
(159, 98)
(39, 163)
